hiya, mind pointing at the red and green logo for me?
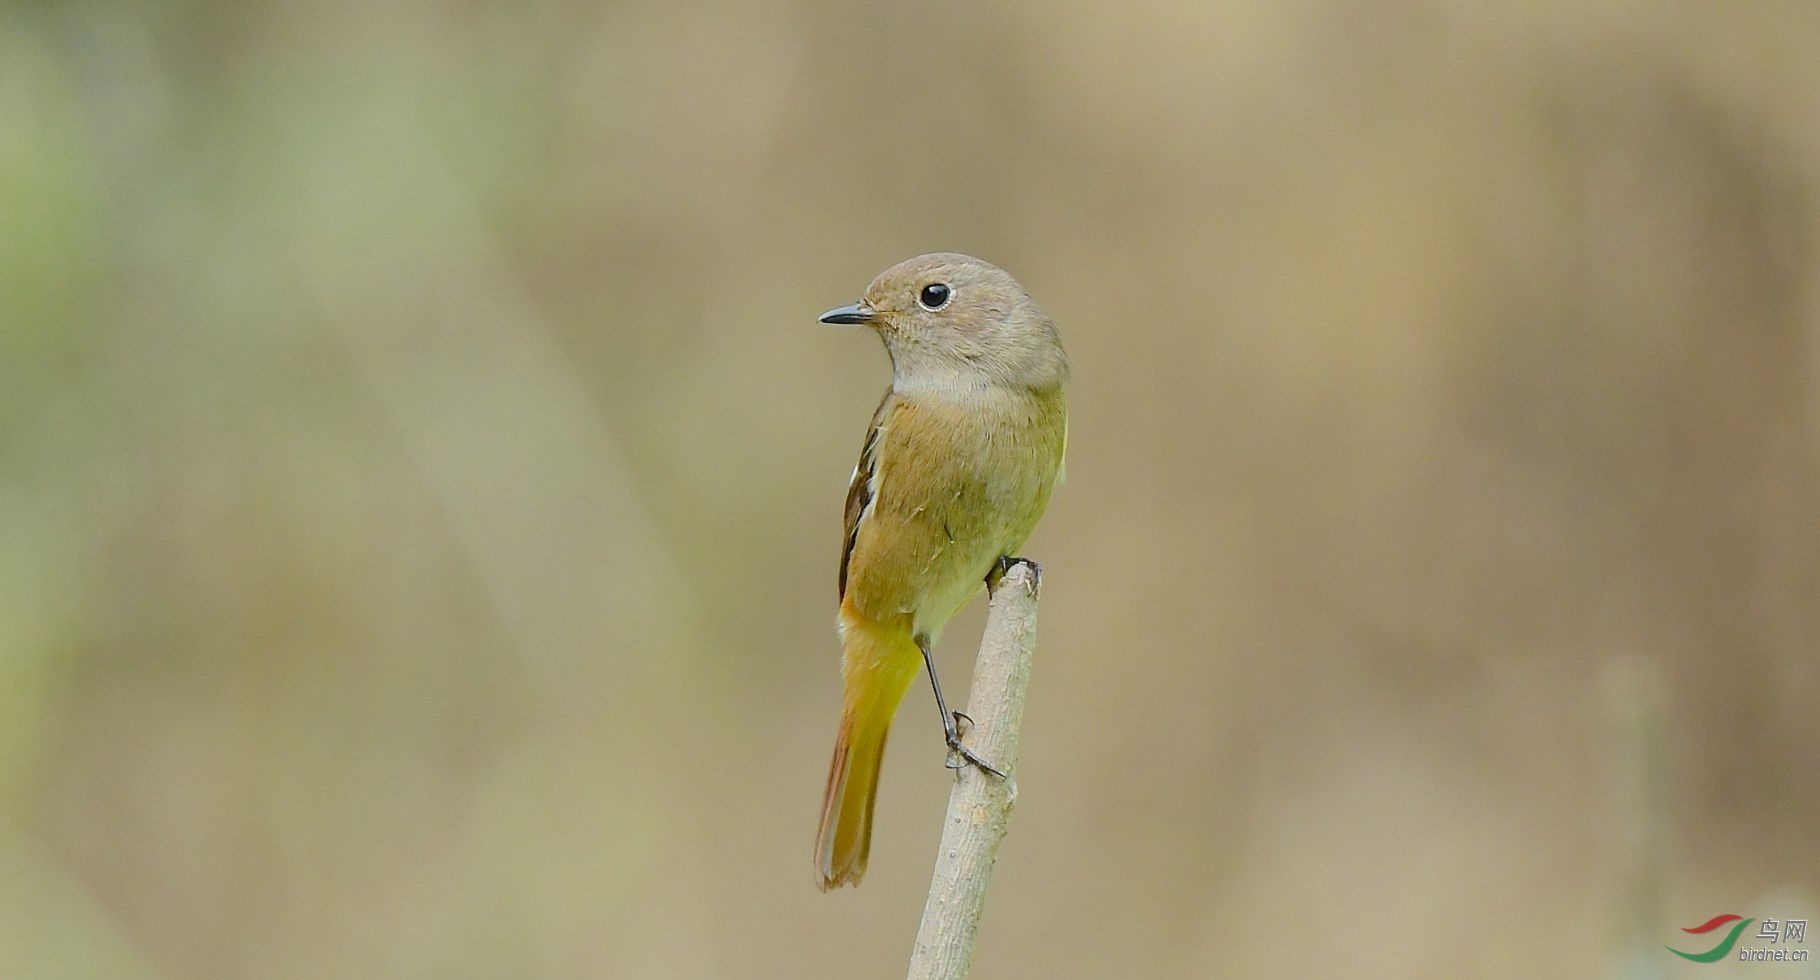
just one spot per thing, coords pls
(1725, 945)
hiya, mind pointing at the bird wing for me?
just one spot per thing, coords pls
(860, 490)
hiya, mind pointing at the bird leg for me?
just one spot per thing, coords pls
(951, 720)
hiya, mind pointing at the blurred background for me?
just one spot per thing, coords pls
(421, 478)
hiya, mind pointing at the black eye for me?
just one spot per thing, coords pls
(934, 296)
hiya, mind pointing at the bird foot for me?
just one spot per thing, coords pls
(959, 755)
(1003, 567)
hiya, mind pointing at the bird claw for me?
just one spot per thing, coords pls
(1002, 568)
(960, 757)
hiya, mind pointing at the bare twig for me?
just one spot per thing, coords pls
(979, 809)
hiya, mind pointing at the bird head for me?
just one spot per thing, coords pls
(951, 320)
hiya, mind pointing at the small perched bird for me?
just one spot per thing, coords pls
(957, 467)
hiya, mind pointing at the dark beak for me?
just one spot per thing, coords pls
(851, 313)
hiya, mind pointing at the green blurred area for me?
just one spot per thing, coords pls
(421, 476)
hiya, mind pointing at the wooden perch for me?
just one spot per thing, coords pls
(979, 809)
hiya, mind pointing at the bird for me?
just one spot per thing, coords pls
(957, 466)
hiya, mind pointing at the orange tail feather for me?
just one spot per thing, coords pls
(878, 666)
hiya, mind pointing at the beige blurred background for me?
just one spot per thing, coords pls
(421, 474)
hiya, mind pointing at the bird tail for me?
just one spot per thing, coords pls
(878, 666)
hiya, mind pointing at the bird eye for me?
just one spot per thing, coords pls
(935, 296)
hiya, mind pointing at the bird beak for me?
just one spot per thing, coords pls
(851, 313)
